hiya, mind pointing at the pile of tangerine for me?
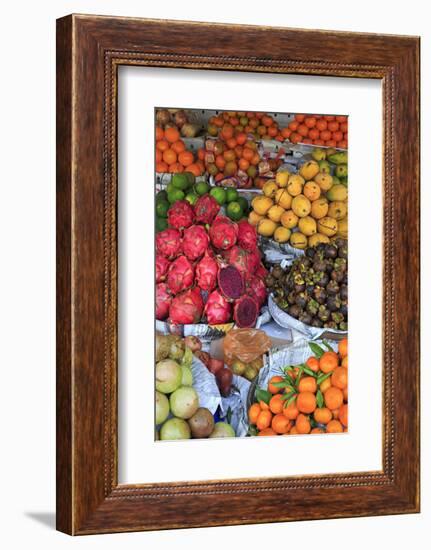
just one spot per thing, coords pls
(309, 398)
(172, 155)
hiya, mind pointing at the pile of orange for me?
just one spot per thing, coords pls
(307, 399)
(235, 156)
(228, 124)
(327, 130)
(172, 155)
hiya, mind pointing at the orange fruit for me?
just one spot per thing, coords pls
(307, 384)
(264, 406)
(342, 144)
(272, 131)
(159, 155)
(253, 413)
(267, 120)
(333, 398)
(218, 121)
(172, 134)
(322, 415)
(303, 130)
(299, 118)
(176, 168)
(331, 143)
(186, 158)
(310, 122)
(162, 145)
(160, 134)
(264, 420)
(247, 153)
(337, 136)
(293, 125)
(334, 426)
(313, 133)
(241, 138)
(243, 164)
(231, 143)
(295, 137)
(336, 413)
(318, 142)
(343, 127)
(293, 430)
(285, 132)
(220, 162)
(345, 395)
(344, 362)
(329, 117)
(343, 415)
(280, 424)
(325, 135)
(342, 347)
(306, 402)
(276, 404)
(195, 169)
(226, 132)
(317, 431)
(325, 385)
(341, 118)
(238, 151)
(229, 155)
(271, 387)
(267, 431)
(291, 411)
(328, 361)
(178, 146)
(313, 363)
(333, 126)
(170, 156)
(339, 377)
(161, 167)
(321, 124)
(201, 153)
(302, 424)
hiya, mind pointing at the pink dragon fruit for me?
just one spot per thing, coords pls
(217, 309)
(181, 275)
(181, 215)
(162, 265)
(163, 301)
(206, 209)
(245, 312)
(253, 260)
(195, 242)
(168, 243)
(206, 273)
(230, 282)
(261, 271)
(247, 235)
(256, 289)
(239, 258)
(187, 307)
(223, 233)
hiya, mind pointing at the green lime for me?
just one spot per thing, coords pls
(191, 198)
(169, 188)
(243, 202)
(231, 194)
(234, 211)
(175, 195)
(219, 194)
(190, 177)
(162, 208)
(202, 188)
(161, 224)
(161, 196)
(180, 181)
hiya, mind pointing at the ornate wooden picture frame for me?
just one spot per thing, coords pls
(89, 51)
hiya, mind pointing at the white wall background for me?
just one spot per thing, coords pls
(27, 248)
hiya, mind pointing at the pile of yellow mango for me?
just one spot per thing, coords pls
(302, 209)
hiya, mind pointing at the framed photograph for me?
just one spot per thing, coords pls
(237, 274)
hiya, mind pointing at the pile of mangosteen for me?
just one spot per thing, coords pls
(314, 288)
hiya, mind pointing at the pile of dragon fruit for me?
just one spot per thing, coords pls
(208, 268)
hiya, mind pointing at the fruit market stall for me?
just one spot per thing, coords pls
(251, 269)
